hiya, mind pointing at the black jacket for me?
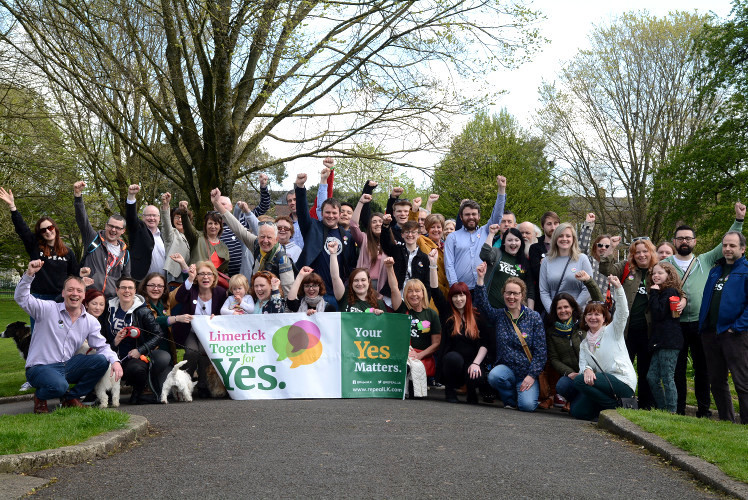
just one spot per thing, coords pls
(536, 254)
(665, 332)
(419, 268)
(141, 243)
(141, 317)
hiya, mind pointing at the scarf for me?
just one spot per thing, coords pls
(564, 329)
(315, 303)
(593, 339)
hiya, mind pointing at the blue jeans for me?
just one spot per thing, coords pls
(52, 381)
(502, 379)
(565, 387)
(662, 368)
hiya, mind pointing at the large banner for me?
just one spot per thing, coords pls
(325, 355)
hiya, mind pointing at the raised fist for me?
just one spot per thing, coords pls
(34, 267)
(133, 189)
(78, 187)
(739, 211)
(263, 180)
(397, 191)
(328, 163)
(300, 180)
(166, 199)
(590, 218)
(365, 198)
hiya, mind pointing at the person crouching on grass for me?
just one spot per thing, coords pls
(52, 364)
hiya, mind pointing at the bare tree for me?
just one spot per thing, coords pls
(617, 111)
(216, 78)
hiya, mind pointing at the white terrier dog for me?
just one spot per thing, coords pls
(179, 383)
(105, 384)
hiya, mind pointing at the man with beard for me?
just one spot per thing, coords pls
(462, 248)
(693, 271)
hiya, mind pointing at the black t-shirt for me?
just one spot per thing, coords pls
(423, 325)
(360, 305)
(639, 307)
(713, 315)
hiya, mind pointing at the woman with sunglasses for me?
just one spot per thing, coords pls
(45, 244)
(633, 277)
(602, 246)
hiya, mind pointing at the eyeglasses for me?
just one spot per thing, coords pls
(687, 239)
(155, 285)
(512, 294)
(116, 228)
(283, 229)
(203, 275)
(127, 288)
(151, 216)
(640, 238)
(49, 228)
(410, 233)
(311, 285)
(600, 245)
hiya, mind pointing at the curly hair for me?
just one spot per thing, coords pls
(672, 280)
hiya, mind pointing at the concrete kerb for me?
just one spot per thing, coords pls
(702, 470)
(97, 446)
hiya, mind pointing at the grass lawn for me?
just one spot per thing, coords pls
(12, 373)
(720, 443)
(64, 427)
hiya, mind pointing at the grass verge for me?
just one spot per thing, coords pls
(720, 443)
(64, 427)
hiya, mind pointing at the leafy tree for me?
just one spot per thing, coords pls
(490, 146)
(709, 173)
(617, 111)
(36, 165)
(193, 88)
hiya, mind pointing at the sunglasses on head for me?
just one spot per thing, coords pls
(266, 223)
(640, 238)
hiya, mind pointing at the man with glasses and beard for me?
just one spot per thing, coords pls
(693, 271)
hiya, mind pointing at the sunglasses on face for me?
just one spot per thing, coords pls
(601, 245)
(49, 228)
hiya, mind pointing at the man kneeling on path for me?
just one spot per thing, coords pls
(60, 330)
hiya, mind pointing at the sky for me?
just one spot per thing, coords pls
(567, 24)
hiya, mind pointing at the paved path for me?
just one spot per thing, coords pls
(367, 449)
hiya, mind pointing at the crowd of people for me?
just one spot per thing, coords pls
(534, 315)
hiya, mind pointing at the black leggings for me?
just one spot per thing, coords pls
(637, 343)
(454, 373)
(196, 358)
(135, 371)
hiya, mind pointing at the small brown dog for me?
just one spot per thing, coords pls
(215, 384)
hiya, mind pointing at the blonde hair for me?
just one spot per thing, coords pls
(418, 284)
(238, 280)
(574, 252)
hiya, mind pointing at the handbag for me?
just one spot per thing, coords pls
(223, 280)
(627, 403)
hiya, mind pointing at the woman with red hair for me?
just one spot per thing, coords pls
(633, 276)
(466, 340)
(45, 244)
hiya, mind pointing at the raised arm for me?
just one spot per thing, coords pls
(395, 295)
(324, 175)
(81, 217)
(167, 230)
(264, 197)
(585, 234)
(366, 210)
(338, 286)
(247, 238)
(293, 292)
(498, 208)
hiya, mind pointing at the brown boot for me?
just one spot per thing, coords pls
(40, 405)
(547, 403)
(72, 403)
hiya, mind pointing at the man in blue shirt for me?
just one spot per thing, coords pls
(462, 248)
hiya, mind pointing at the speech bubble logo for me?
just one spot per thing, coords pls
(299, 342)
